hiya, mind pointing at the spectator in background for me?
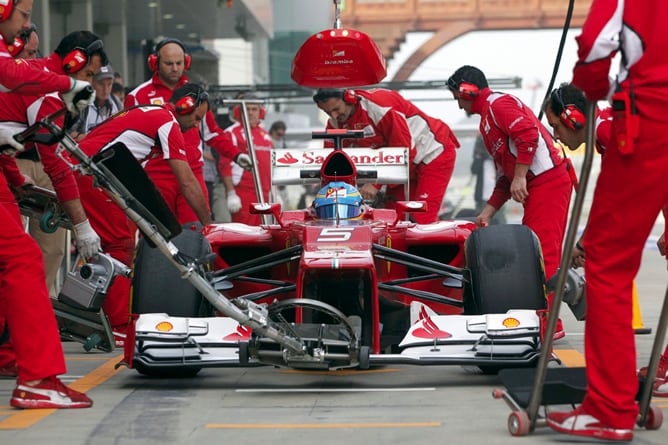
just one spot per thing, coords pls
(530, 169)
(277, 133)
(118, 79)
(118, 90)
(104, 106)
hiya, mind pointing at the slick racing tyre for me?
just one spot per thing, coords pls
(506, 270)
(157, 286)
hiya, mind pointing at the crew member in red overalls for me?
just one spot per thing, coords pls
(153, 134)
(239, 183)
(530, 169)
(168, 63)
(389, 120)
(24, 298)
(632, 178)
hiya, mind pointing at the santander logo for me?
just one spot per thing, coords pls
(287, 159)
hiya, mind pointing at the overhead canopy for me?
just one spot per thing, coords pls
(338, 58)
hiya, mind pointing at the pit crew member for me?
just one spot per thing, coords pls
(392, 121)
(153, 134)
(239, 183)
(24, 298)
(633, 172)
(168, 62)
(530, 168)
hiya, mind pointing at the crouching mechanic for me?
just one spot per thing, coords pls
(389, 120)
(154, 136)
(24, 298)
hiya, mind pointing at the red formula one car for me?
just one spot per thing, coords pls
(350, 285)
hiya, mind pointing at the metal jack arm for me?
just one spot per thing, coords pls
(245, 312)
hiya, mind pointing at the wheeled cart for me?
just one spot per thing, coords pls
(529, 389)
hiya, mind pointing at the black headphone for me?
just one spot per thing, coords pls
(570, 114)
(154, 59)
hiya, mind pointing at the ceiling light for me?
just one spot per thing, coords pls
(168, 16)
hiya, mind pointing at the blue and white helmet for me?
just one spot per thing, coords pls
(338, 199)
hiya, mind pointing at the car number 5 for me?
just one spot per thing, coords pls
(335, 234)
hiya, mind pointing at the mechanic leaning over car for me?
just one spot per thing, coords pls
(240, 184)
(24, 297)
(633, 172)
(530, 168)
(389, 120)
(168, 62)
(565, 112)
(154, 136)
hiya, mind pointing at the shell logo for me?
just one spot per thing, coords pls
(164, 326)
(511, 322)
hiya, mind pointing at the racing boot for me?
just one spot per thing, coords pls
(580, 423)
(48, 393)
(661, 380)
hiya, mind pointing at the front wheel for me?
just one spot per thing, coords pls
(506, 270)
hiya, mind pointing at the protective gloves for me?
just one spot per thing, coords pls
(243, 161)
(233, 202)
(79, 96)
(88, 242)
(9, 145)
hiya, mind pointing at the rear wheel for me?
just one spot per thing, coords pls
(506, 270)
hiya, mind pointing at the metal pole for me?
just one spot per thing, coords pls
(566, 259)
(241, 103)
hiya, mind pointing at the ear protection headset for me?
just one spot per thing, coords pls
(154, 59)
(78, 58)
(571, 116)
(189, 103)
(21, 40)
(6, 8)
(466, 90)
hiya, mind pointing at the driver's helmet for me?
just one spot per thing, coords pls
(338, 200)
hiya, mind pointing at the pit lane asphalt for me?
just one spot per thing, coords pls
(389, 405)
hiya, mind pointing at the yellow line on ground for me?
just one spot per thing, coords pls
(341, 372)
(321, 425)
(22, 419)
(570, 357)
